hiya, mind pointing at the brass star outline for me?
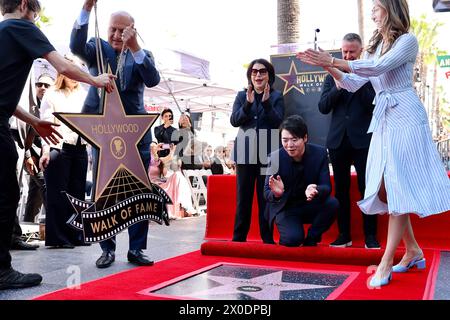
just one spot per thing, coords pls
(288, 79)
(113, 116)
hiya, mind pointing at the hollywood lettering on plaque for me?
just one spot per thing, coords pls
(123, 193)
(301, 85)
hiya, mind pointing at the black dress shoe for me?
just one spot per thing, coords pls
(342, 241)
(372, 243)
(106, 259)
(138, 258)
(22, 245)
(12, 279)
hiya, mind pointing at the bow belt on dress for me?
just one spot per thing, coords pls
(383, 100)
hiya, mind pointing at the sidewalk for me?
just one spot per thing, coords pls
(60, 267)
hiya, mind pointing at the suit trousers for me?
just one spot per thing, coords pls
(341, 159)
(35, 199)
(17, 231)
(137, 233)
(320, 214)
(246, 177)
(9, 193)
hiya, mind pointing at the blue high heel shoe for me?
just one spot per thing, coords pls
(420, 263)
(376, 282)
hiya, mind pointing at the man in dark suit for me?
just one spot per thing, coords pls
(166, 133)
(136, 69)
(36, 186)
(27, 139)
(298, 191)
(348, 143)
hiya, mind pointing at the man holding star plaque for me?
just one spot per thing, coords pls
(135, 69)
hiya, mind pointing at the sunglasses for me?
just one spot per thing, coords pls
(262, 71)
(40, 85)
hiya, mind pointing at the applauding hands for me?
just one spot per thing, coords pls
(251, 93)
(276, 185)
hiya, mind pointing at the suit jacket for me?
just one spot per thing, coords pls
(257, 116)
(352, 113)
(135, 76)
(316, 171)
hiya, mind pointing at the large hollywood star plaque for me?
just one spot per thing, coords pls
(123, 193)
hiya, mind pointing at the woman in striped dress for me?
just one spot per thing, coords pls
(404, 173)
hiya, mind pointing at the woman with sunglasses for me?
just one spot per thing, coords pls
(257, 112)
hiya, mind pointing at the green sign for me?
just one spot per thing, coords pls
(444, 61)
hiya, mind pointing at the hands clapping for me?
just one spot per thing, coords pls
(313, 57)
(276, 185)
(311, 192)
(251, 93)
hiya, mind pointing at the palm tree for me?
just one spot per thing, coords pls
(361, 15)
(426, 34)
(288, 12)
(44, 20)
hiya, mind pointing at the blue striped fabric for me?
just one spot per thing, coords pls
(402, 150)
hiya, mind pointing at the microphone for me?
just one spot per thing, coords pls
(315, 38)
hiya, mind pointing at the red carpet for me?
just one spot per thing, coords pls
(127, 285)
(432, 234)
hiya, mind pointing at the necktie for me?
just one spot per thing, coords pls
(120, 63)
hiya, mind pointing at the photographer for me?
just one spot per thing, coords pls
(165, 132)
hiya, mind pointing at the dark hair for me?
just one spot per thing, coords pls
(350, 37)
(166, 111)
(266, 64)
(295, 125)
(9, 6)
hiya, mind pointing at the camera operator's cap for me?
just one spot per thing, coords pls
(45, 78)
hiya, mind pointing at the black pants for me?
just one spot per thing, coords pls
(66, 172)
(246, 176)
(320, 215)
(341, 160)
(35, 198)
(17, 231)
(9, 192)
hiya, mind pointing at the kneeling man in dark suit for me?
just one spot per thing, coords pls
(298, 187)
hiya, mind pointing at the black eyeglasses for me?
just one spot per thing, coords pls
(40, 84)
(262, 71)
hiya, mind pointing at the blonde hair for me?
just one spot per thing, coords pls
(61, 84)
(61, 80)
(397, 23)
